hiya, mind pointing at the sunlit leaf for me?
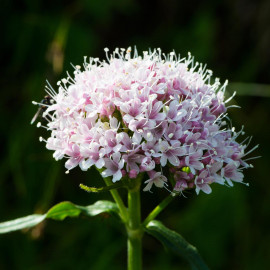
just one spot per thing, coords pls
(176, 243)
(63, 210)
(100, 207)
(21, 223)
(60, 212)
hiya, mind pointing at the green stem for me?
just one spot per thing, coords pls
(134, 229)
(118, 200)
(158, 209)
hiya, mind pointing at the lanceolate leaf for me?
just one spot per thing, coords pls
(21, 223)
(176, 243)
(60, 212)
(100, 207)
(63, 210)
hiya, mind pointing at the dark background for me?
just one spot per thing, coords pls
(39, 40)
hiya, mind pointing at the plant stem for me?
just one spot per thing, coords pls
(134, 229)
(118, 200)
(158, 209)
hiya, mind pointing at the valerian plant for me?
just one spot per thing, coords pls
(154, 120)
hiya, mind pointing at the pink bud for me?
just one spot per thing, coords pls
(124, 172)
(132, 174)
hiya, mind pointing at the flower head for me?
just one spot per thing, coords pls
(137, 114)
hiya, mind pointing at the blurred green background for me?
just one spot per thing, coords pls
(40, 39)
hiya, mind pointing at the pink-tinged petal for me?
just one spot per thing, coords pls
(160, 117)
(197, 190)
(230, 183)
(86, 164)
(197, 165)
(127, 118)
(117, 176)
(203, 174)
(180, 185)
(206, 189)
(72, 163)
(137, 138)
(237, 177)
(216, 167)
(163, 160)
(107, 173)
(174, 160)
(100, 163)
(219, 179)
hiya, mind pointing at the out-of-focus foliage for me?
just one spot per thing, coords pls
(40, 39)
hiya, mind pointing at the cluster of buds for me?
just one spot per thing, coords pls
(155, 114)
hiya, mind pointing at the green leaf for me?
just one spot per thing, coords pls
(63, 210)
(100, 207)
(176, 243)
(21, 223)
(59, 212)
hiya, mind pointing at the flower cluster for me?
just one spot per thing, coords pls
(150, 113)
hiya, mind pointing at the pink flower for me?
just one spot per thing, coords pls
(135, 115)
(202, 182)
(147, 164)
(174, 113)
(95, 156)
(114, 166)
(230, 172)
(170, 153)
(193, 159)
(156, 178)
(74, 152)
(132, 159)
